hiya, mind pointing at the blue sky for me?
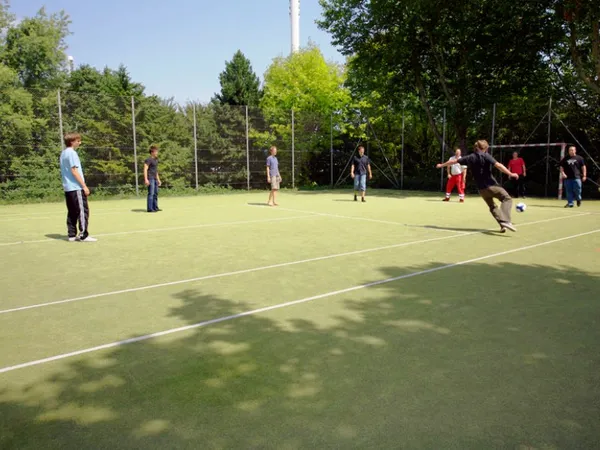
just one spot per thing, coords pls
(177, 48)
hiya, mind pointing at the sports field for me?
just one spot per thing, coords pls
(219, 322)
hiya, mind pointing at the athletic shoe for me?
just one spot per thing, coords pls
(73, 239)
(89, 239)
(508, 226)
(157, 210)
(355, 198)
(364, 201)
(502, 230)
(568, 206)
(446, 199)
(578, 203)
(462, 200)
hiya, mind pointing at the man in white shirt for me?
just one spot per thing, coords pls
(457, 176)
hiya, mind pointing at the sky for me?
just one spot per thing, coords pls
(177, 48)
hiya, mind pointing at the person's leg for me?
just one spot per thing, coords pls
(150, 199)
(84, 214)
(275, 186)
(449, 187)
(505, 205)
(577, 191)
(363, 186)
(461, 189)
(356, 186)
(570, 193)
(488, 197)
(522, 186)
(155, 197)
(72, 214)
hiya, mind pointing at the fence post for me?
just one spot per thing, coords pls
(493, 130)
(560, 180)
(402, 155)
(293, 150)
(331, 149)
(195, 144)
(60, 122)
(443, 152)
(135, 161)
(247, 149)
(548, 146)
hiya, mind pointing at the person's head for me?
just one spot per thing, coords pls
(457, 153)
(273, 150)
(72, 140)
(361, 150)
(481, 146)
(515, 155)
(154, 151)
(572, 150)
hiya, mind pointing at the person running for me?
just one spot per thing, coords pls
(517, 165)
(273, 176)
(76, 191)
(152, 180)
(574, 172)
(480, 163)
(358, 172)
(457, 176)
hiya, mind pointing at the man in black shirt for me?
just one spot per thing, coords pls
(480, 164)
(152, 179)
(574, 171)
(358, 171)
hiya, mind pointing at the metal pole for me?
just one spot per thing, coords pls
(247, 150)
(493, 128)
(60, 122)
(293, 137)
(560, 180)
(443, 152)
(402, 156)
(548, 147)
(135, 161)
(331, 149)
(195, 144)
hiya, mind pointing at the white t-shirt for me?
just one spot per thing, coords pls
(455, 169)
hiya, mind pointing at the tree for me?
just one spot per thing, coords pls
(462, 55)
(240, 86)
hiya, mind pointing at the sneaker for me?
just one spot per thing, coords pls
(462, 200)
(355, 198)
(89, 239)
(73, 239)
(502, 229)
(446, 199)
(568, 205)
(157, 210)
(578, 203)
(508, 226)
(363, 200)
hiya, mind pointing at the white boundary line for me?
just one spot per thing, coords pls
(281, 305)
(365, 219)
(156, 230)
(251, 270)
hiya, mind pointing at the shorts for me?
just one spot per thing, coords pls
(360, 182)
(275, 181)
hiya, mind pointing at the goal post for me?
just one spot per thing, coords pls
(562, 145)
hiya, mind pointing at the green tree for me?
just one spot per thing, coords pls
(240, 86)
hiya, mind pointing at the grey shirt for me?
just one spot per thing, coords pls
(273, 166)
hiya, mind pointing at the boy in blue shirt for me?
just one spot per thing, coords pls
(273, 176)
(76, 191)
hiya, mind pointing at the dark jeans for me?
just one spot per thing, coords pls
(520, 187)
(153, 195)
(573, 187)
(78, 213)
(502, 214)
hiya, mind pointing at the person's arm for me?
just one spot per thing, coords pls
(524, 169)
(369, 169)
(146, 181)
(563, 175)
(268, 174)
(464, 175)
(75, 164)
(352, 170)
(502, 168)
(449, 170)
(584, 171)
(158, 178)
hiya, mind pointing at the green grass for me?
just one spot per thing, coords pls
(497, 353)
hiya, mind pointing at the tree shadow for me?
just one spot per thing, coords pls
(479, 356)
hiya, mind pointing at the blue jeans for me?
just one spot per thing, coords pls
(153, 195)
(573, 188)
(360, 182)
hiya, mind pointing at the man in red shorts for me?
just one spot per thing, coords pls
(517, 165)
(457, 176)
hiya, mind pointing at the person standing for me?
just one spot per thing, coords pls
(574, 172)
(361, 165)
(457, 176)
(152, 180)
(273, 176)
(517, 165)
(76, 191)
(480, 163)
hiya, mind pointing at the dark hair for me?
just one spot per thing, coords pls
(71, 137)
(153, 148)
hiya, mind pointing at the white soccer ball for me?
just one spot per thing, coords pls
(521, 207)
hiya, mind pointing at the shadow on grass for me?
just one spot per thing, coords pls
(58, 237)
(139, 210)
(477, 356)
(468, 230)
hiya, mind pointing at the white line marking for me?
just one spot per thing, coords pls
(156, 230)
(251, 270)
(281, 305)
(366, 219)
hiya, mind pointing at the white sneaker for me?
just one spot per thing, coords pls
(73, 239)
(89, 239)
(508, 226)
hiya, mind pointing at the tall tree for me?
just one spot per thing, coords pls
(240, 86)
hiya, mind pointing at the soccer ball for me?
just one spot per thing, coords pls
(521, 207)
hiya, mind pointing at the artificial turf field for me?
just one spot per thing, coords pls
(404, 322)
